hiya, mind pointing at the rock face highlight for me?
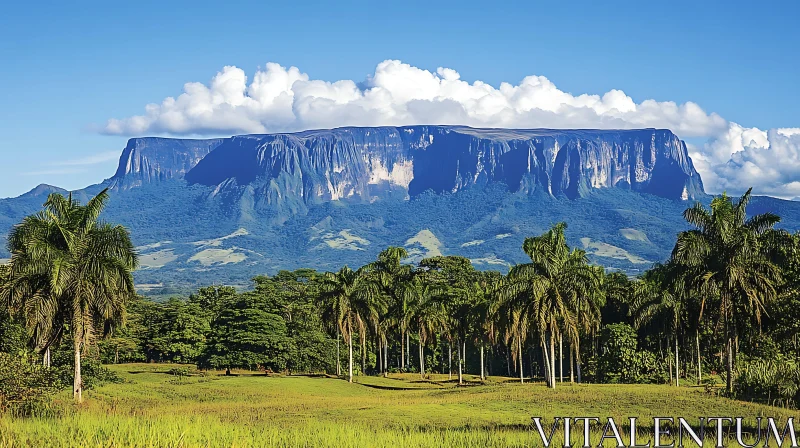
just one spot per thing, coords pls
(151, 159)
(291, 171)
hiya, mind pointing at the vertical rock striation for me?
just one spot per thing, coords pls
(151, 159)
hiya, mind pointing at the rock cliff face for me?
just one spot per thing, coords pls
(283, 174)
(151, 159)
(315, 166)
(203, 211)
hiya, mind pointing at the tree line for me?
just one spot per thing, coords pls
(723, 305)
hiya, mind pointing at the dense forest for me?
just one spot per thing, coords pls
(723, 309)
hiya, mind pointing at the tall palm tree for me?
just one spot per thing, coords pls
(70, 270)
(555, 279)
(585, 306)
(517, 302)
(455, 277)
(481, 319)
(659, 297)
(428, 315)
(727, 255)
(350, 300)
(394, 279)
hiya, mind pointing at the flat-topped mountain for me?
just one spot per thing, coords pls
(314, 166)
(224, 210)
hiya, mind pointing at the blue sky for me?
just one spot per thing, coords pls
(67, 70)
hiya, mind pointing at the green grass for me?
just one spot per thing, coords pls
(155, 409)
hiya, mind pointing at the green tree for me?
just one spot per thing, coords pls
(248, 333)
(727, 255)
(548, 291)
(455, 278)
(621, 361)
(180, 333)
(68, 267)
(483, 328)
(428, 315)
(350, 299)
(293, 294)
(660, 298)
(394, 280)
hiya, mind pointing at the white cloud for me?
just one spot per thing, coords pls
(281, 99)
(278, 99)
(767, 160)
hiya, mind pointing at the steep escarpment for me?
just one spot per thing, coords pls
(150, 159)
(294, 170)
(204, 211)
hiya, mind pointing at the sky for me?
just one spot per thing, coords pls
(77, 81)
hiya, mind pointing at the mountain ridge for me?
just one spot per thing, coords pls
(224, 210)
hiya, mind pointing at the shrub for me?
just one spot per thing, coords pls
(773, 381)
(621, 361)
(93, 373)
(26, 386)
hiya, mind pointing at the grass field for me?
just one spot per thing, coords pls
(153, 408)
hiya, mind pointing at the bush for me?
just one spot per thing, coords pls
(93, 373)
(26, 386)
(773, 381)
(622, 362)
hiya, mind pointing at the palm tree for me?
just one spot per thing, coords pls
(549, 289)
(727, 255)
(659, 297)
(350, 300)
(394, 280)
(427, 315)
(585, 307)
(516, 305)
(482, 319)
(70, 270)
(455, 277)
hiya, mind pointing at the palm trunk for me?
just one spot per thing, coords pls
(669, 362)
(450, 360)
(350, 358)
(363, 354)
(46, 357)
(699, 365)
(578, 357)
(402, 351)
(729, 376)
(521, 365)
(464, 355)
(546, 359)
(379, 359)
(408, 349)
(421, 357)
(460, 372)
(508, 361)
(729, 348)
(386, 359)
(338, 356)
(553, 361)
(77, 383)
(483, 369)
(561, 358)
(571, 365)
(677, 364)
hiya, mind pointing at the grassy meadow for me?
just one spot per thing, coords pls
(155, 408)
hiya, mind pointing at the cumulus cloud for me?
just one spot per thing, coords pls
(279, 99)
(743, 157)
